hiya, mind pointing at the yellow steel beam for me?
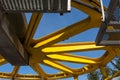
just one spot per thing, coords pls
(15, 71)
(43, 46)
(5, 75)
(20, 77)
(36, 67)
(116, 74)
(74, 59)
(2, 61)
(88, 10)
(36, 57)
(117, 51)
(89, 68)
(73, 47)
(86, 69)
(76, 77)
(63, 34)
(81, 71)
(113, 76)
(33, 24)
(57, 65)
(90, 22)
(94, 3)
(103, 71)
(28, 77)
(59, 75)
(108, 78)
(108, 56)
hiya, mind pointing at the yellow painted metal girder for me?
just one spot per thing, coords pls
(113, 76)
(19, 76)
(74, 59)
(36, 67)
(2, 61)
(81, 71)
(33, 24)
(88, 10)
(90, 68)
(72, 29)
(46, 51)
(73, 47)
(57, 65)
(28, 77)
(116, 74)
(103, 71)
(15, 71)
(117, 51)
(59, 75)
(94, 3)
(5, 75)
(108, 56)
(76, 77)
(63, 34)
(86, 69)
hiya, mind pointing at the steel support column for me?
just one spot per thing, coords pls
(10, 45)
(103, 71)
(75, 77)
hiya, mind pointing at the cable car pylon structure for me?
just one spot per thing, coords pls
(19, 48)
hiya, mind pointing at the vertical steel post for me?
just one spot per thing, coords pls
(76, 77)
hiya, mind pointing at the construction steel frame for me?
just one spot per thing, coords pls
(46, 51)
(109, 27)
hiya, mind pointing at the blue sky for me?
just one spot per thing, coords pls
(51, 22)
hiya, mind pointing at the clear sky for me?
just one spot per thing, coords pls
(51, 22)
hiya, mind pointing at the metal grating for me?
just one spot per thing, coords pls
(109, 33)
(35, 5)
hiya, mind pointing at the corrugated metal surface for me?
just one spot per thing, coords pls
(35, 5)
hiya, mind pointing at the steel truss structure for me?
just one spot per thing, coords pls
(110, 25)
(46, 51)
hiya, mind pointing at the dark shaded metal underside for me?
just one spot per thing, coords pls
(109, 33)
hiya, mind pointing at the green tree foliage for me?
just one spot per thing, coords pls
(93, 75)
(116, 63)
(97, 75)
